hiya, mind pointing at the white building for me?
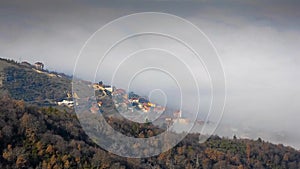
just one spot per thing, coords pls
(66, 103)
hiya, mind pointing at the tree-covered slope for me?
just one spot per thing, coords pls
(47, 137)
(32, 85)
(33, 137)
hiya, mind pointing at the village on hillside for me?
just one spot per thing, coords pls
(130, 105)
(137, 108)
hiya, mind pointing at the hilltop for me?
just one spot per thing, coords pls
(23, 81)
(34, 136)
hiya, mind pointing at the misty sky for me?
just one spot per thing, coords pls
(258, 43)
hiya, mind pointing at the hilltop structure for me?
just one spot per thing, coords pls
(39, 65)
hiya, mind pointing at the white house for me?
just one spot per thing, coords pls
(66, 103)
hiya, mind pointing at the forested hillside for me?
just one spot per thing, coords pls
(33, 137)
(52, 137)
(28, 84)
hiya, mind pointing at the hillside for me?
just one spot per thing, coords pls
(26, 83)
(32, 136)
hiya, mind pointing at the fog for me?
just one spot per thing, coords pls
(257, 41)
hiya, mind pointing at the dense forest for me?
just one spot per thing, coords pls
(32, 136)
